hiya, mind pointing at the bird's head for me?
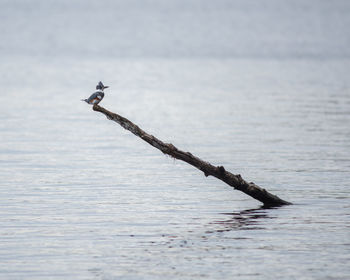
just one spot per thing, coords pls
(100, 86)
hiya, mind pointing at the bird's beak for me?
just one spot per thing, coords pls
(106, 87)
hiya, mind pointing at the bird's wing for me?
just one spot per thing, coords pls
(93, 96)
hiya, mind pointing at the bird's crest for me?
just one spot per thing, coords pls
(100, 85)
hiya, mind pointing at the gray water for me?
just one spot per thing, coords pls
(261, 87)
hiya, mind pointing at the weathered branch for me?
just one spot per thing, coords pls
(235, 181)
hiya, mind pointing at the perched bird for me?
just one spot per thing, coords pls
(97, 96)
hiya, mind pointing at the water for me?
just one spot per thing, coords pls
(260, 87)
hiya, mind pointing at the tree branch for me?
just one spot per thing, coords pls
(235, 181)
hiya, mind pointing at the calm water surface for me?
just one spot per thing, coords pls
(81, 198)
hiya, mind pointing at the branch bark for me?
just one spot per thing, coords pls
(235, 181)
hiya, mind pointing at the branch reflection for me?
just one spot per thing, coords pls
(244, 220)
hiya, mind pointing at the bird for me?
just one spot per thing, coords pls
(97, 96)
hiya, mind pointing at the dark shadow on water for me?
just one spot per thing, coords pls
(250, 219)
